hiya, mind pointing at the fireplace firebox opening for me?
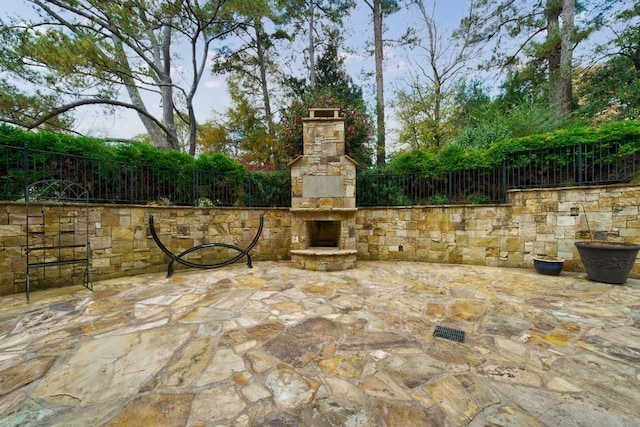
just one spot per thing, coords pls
(323, 233)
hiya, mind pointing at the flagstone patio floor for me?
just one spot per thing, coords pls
(277, 346)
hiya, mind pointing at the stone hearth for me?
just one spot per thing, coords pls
(323, 196)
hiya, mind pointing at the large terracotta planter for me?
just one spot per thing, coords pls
(607, 262)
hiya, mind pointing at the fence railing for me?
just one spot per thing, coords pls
(557, 167)
(132, 183)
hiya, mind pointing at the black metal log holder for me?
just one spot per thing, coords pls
(178, 258)
(63, 238)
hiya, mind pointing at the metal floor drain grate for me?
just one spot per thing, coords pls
(449, 333)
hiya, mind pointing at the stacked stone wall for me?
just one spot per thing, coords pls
(532, 222)
(121, 244)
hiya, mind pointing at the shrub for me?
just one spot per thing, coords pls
(416, 161)
(220, 164)
(380, 187)
(267, 189)
(218, 178)
(529, 119)
(521, 151)
(481, 136)
(134, 172)
(438, 199)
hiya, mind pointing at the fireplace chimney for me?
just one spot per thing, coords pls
(323, 196)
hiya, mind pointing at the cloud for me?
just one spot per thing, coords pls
(213, 84)
(351, 57)
(393, 70)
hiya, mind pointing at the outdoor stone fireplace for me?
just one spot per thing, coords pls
(323, 196)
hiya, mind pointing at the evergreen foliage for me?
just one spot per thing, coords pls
(456, 157)
(334, 89)
(161, 174)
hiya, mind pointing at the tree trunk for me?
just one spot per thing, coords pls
(554, 45)
(193, 129)
(268, 114)
(263, 76)
(312, 47)
(166, 86)
(435, 78)
(378, 55)
(565, 91)
(560, 41)
(635, 58)
(158, 136)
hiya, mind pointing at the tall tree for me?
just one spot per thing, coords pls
(472, 103)
(379, 9)
(513, 26)
(247, 129)
(312, 44)
(214, 137)
(439, 59)
(610, 89)
(414, 112)
(313, 20)
(560, 40)
(253, 63)
(86, 52)
(332, 77)
(626, 27)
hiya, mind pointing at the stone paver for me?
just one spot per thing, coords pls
(276, 345)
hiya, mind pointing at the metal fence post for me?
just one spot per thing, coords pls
(406, 182)
(25, 167)
(131, 186)
(450, 195)
(196, 186)
(580, 177)
(504, 180)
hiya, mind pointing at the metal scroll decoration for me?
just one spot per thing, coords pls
(179, 257)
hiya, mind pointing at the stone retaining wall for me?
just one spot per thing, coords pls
(532, 222)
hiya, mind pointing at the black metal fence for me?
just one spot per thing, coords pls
(132, 183)
(122, 182)
(558, 167)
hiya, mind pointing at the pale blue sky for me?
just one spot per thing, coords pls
(213, 97)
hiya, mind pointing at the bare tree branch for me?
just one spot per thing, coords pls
(64, 108)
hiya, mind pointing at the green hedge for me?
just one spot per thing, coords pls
(134, 152)
(519, 151)
(267, 188)
(116, 167)
(214, 179)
